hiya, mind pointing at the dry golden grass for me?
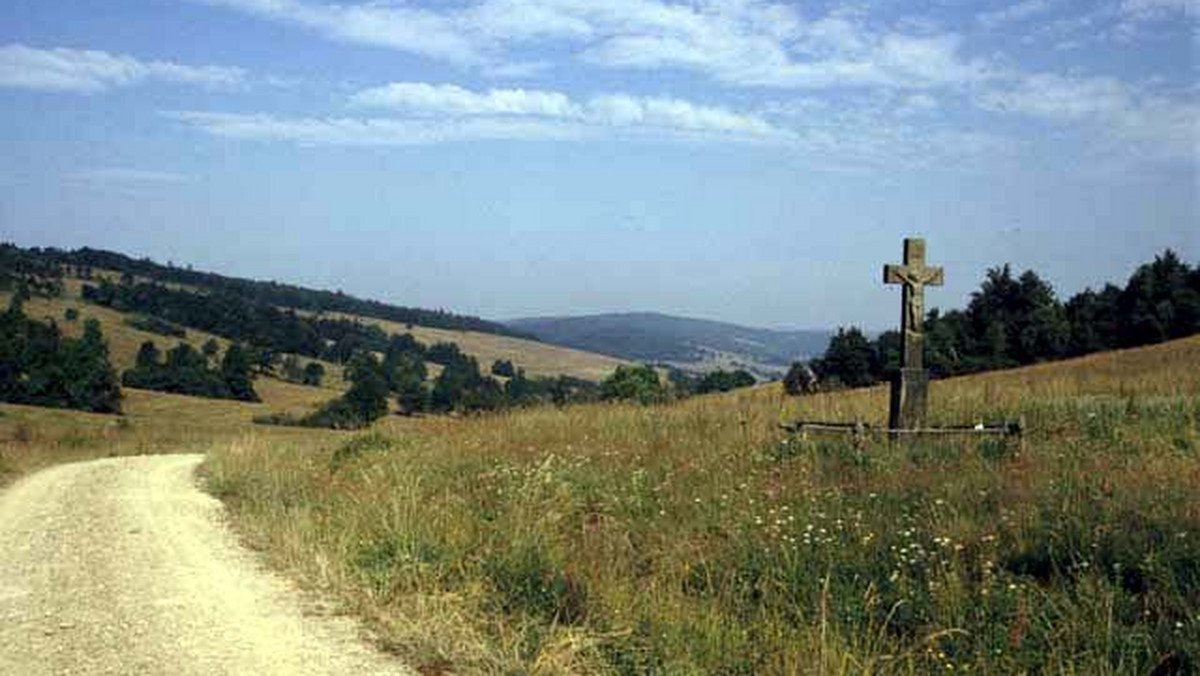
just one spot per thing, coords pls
(690, 538)
(153, 422)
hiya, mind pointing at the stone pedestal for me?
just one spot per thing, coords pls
(910, 399)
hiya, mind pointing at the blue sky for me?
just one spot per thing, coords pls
(740, 159)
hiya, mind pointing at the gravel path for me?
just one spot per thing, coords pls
(123, 566)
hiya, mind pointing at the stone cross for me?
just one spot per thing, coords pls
(910, 389)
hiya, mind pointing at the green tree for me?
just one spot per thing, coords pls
(633, 383)
(237, 372)
(800, 379)
(210, 348)
(848, 359)
(503, 368)
(314, 373)
(367, 396)
(89, 379)
(724, 381)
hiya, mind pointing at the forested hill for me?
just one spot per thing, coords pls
(254, 291)
(649, 336)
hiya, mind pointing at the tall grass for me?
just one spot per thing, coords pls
(697, 538)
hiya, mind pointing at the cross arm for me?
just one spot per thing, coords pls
(895, 274)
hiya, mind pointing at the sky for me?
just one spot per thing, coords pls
(740, 160)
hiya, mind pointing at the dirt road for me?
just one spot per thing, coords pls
(123, 566)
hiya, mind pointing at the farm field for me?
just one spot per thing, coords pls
(698, 538)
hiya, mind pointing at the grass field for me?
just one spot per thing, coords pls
(696, 538)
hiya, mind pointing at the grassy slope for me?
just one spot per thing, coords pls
(538, 359)
(694, 538)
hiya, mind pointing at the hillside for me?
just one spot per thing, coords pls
(536, 357)
(265, 306)
(698, 538)
(87, 260)
(691, 344)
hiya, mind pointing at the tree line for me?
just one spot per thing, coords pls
(401, 374)
(186, 370)
(229, 315)
(41, 367)
(1018, 320)
(86, 259)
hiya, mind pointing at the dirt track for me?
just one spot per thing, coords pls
(123, 566)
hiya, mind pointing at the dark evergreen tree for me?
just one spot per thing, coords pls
(210, 349)
(848, 360)
(1093, 318)
(314, 373)
(90, 380)
(236, 372)
(724, 381)
(503, 368)
(40, 367)
(367, 396)
(800, 379)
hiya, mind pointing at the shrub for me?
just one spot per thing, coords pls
(358, 446)
(152, 324)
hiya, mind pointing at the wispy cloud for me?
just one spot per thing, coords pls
(1159, 9)
(610, 110)
(1021, 11)
(1119, 118)
(89, 71)
(447, 99)
(373, 132)
(407, 29)
(127, 176)
(746, 43)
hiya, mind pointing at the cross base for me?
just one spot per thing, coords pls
(910, 399)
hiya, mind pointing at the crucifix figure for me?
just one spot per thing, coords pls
(910, 389)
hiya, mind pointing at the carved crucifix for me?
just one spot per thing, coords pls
(910, 389)
(915, 276)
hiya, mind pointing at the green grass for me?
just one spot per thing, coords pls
(697, 538)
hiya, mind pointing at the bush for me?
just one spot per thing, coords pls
(634, 383)
(152, 324)
(358, 446)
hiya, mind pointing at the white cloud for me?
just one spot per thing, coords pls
(1021, 11)
(917, 104)
(128, 176)
(742, 42)
(1060, 98)
(1157, 9)
(367, 132)
(392, 26)
(422, 98)
(88, 71)
(1120, 118)
(614, 110)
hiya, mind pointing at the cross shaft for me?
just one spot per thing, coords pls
(914, 275)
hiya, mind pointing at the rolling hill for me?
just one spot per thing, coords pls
(69, 271)
(685, 342)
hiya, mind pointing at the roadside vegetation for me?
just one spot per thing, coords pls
(696, 537)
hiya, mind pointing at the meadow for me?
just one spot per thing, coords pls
(699, 538)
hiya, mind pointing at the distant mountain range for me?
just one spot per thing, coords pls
(685, 342)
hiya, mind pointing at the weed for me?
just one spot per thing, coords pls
(364, 444)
